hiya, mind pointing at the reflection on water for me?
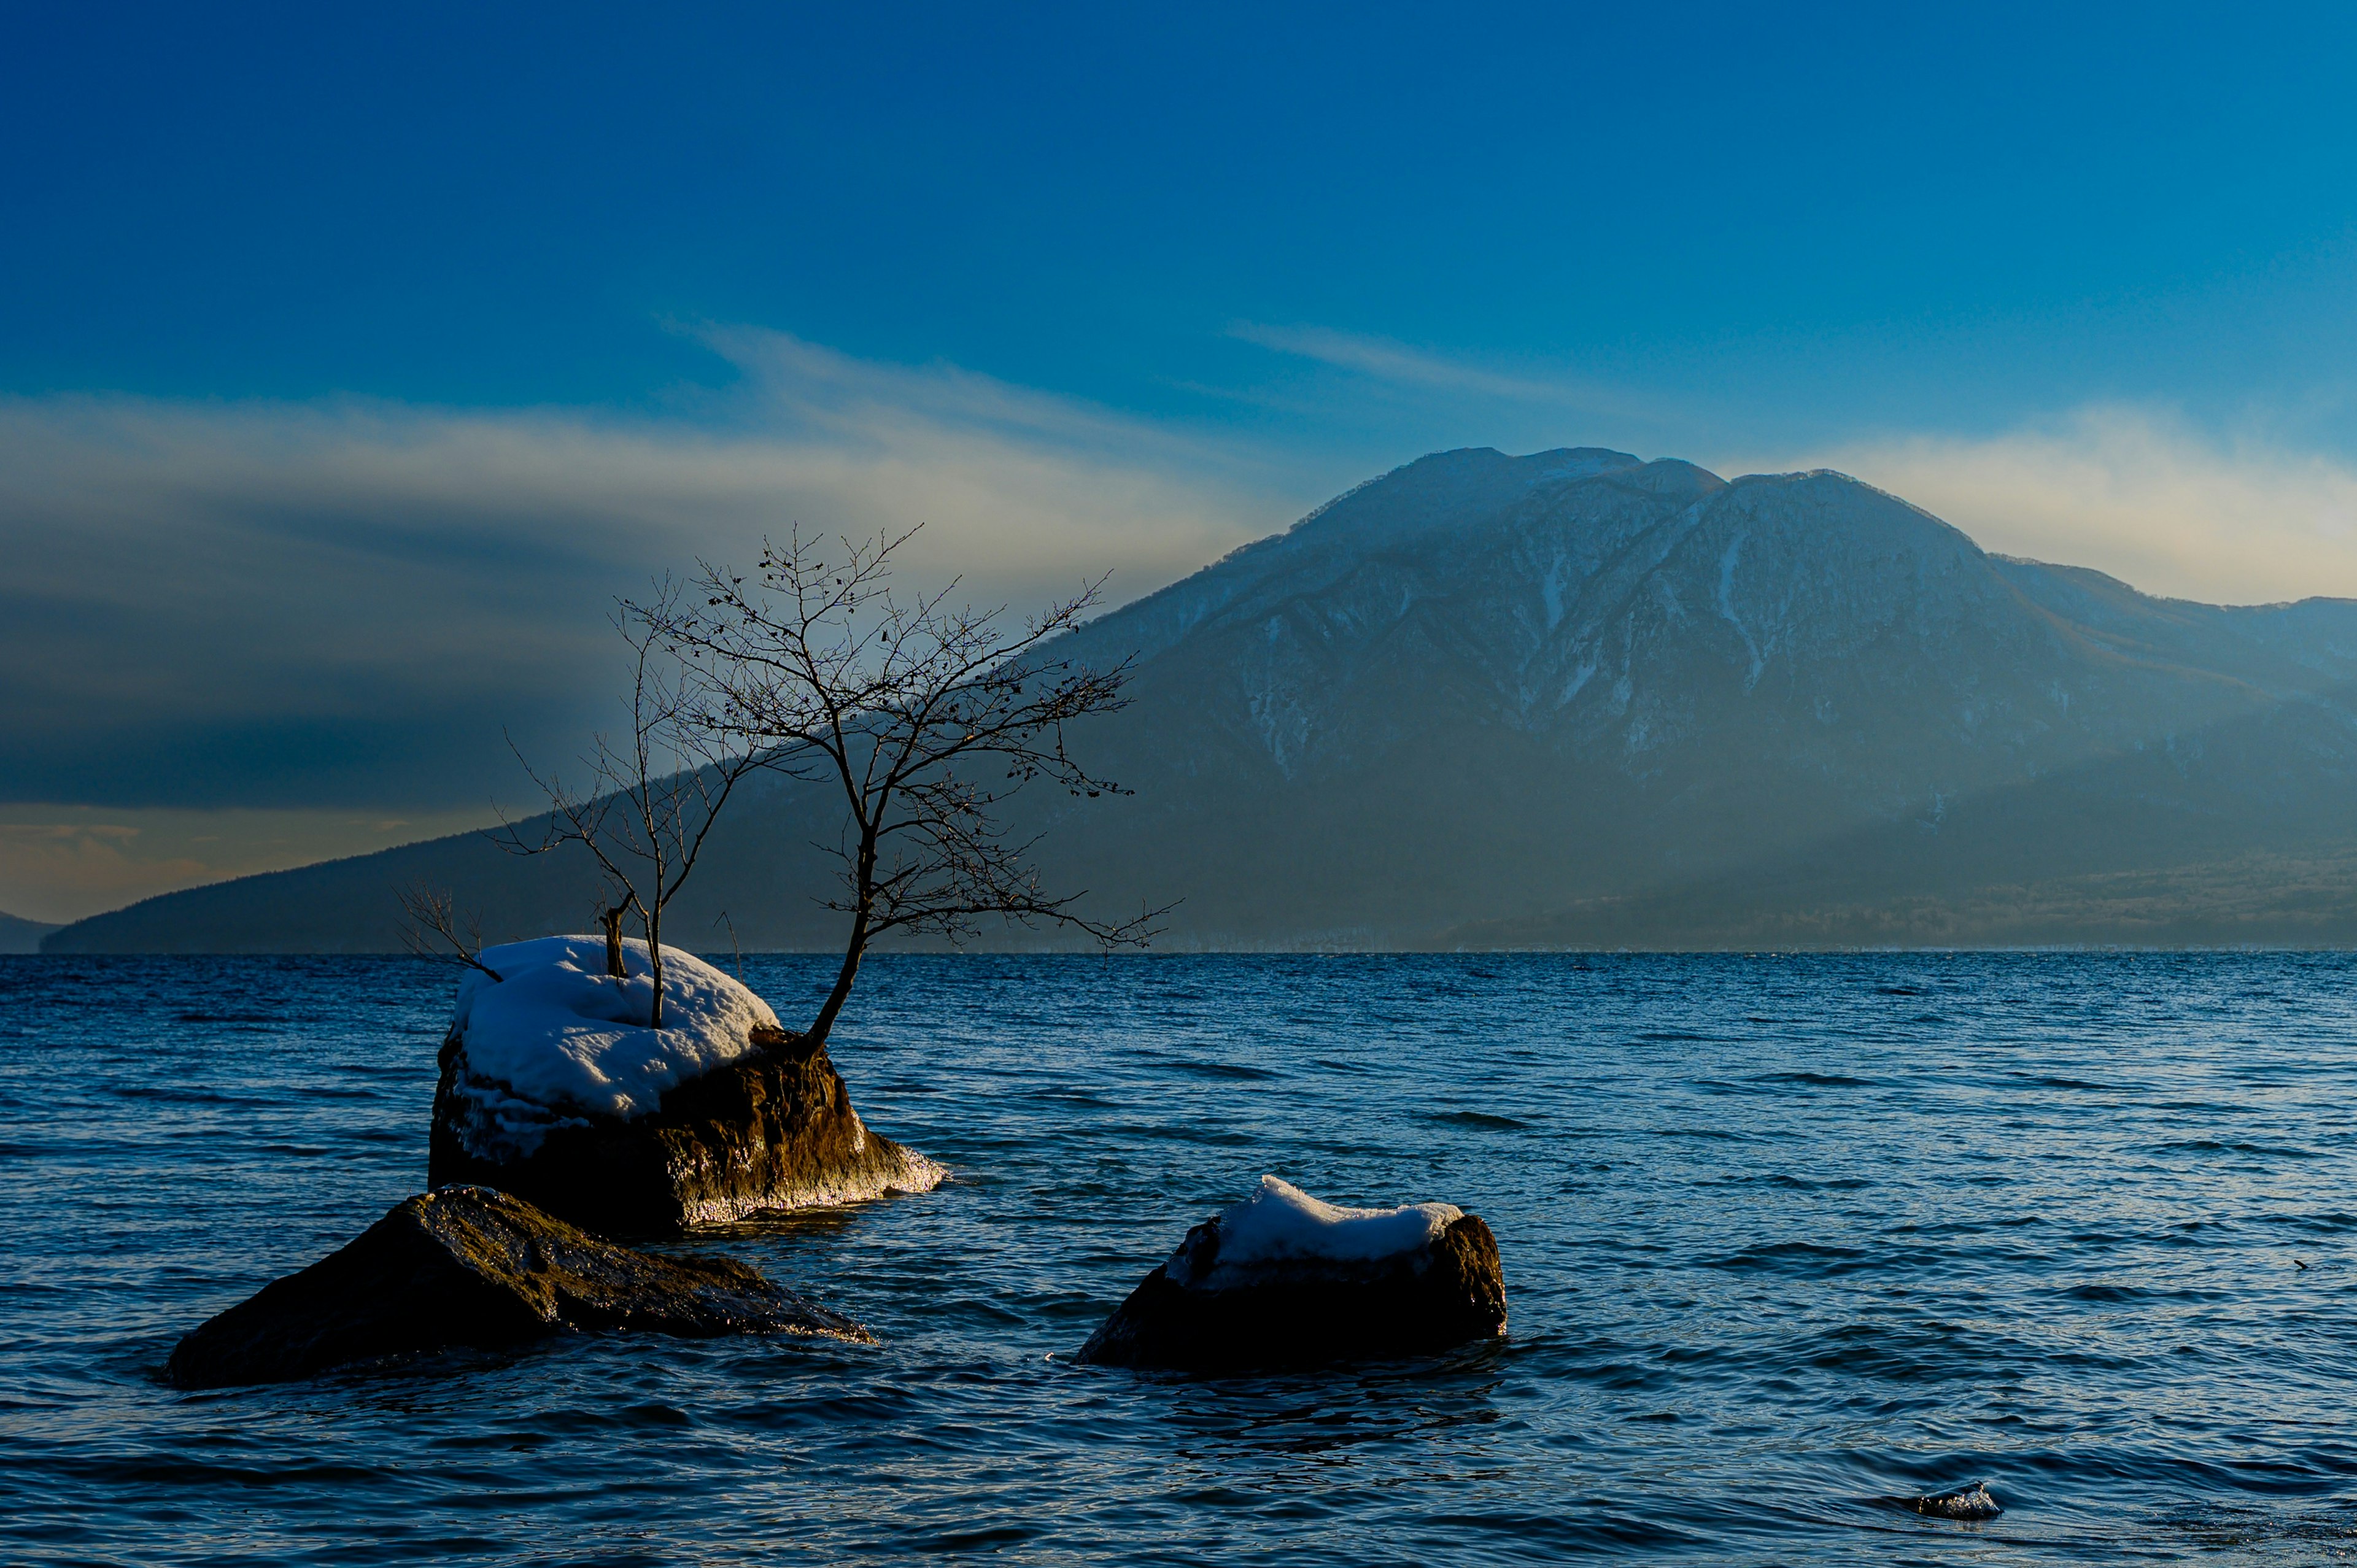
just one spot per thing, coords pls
(1788, 1242)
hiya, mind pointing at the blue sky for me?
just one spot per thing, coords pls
(1807, 222)
(348, 361)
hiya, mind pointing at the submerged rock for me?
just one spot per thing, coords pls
(1283, 1280)
(1966, 1502)
(553, 1090)
(469, 1266)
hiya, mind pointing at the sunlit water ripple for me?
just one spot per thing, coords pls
(1783, 1237)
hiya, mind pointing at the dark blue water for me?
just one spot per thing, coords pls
(1783, 1237)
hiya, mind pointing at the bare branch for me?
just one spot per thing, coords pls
(734, 945)
(927, 719)
(431, 926)
(646, 803)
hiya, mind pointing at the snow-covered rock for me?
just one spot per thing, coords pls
(1284, 1279)
(555, 1088)
(554, 1039)
(1282, 1224)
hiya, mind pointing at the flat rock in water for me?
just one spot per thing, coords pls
(469, 1266)
(1284, 1280)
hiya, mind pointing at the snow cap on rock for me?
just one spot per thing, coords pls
(1281, 1223)
(556, 1032)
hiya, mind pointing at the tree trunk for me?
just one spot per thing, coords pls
(815, 1035)
(612, 920)
(654, 967)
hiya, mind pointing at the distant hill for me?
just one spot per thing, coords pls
(20, 936)
(1575, 699)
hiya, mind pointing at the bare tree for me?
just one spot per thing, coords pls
(433, 927)
(644, 807)
(926, 719)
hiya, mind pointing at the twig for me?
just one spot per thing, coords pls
(432, 927)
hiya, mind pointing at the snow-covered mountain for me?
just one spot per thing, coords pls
(1578, 698)
(1541, 698)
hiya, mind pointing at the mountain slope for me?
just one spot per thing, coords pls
(1578, 698)
(1610, 686)
(18, 935)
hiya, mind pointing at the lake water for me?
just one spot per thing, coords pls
(1783, 1237)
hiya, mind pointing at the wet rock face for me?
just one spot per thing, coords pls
(772, 1130)
(473, 1267)
(1305, 1312)
(1972, 1502)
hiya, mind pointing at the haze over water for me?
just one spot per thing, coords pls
(1783, 1237)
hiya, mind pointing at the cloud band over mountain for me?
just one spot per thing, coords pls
(256, 604)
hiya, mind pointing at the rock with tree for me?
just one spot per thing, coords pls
(555, 1087)
(1283, 1280)
(626, 1085)
(467, 1266)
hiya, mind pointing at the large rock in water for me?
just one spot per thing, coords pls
(554, 1088)
(772, 1130)
(1281, 1280)
(470, 1266)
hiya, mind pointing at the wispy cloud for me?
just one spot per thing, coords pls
(2137, 492)
(249, 602)
(1384, 360)
(62, 862)
(60, 871)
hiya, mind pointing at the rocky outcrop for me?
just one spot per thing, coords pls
(468, 1266)
(1194, 1315)
(1972, 1502)
(773, 1129)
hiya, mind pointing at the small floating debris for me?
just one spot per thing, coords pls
(1967, 1502)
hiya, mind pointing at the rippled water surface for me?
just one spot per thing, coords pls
(1783, 1239)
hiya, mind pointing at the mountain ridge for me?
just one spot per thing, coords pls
(18, 935)
(1479, 694)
